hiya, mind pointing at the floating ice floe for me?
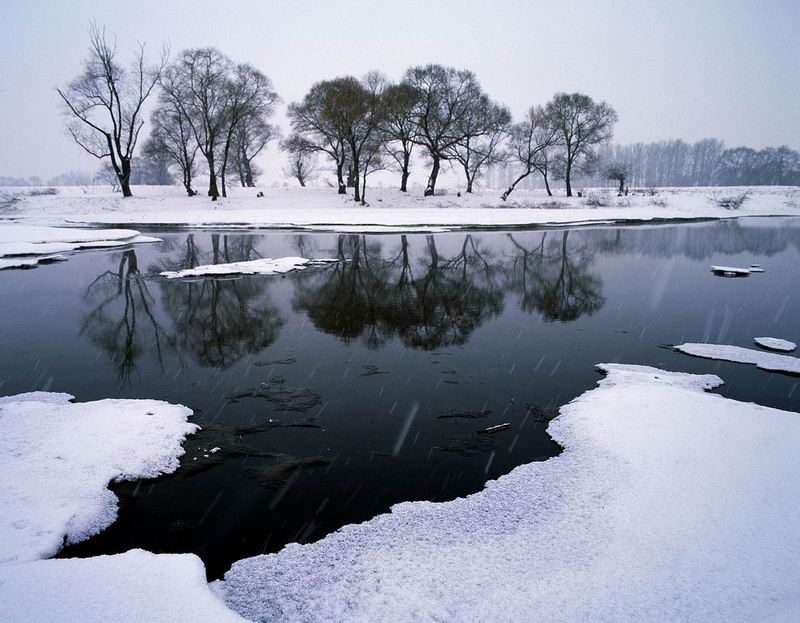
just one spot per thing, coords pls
(772, 362)
(132, 587)
(25, 246)
(264, 266)
(775, 343)
(732, 271)
(57, 458)
(667, 502)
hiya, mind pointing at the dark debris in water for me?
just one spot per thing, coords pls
(285, 398)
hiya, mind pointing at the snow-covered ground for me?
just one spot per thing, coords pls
(57, 458)
(134, 587)
(388, 209)
(772, 362)
(668, 503)
(23, 245)
(263, 266)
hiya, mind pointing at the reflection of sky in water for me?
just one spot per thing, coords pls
(307, 382)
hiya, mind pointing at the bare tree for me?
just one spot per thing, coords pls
(252, 135)
(172, 138)
(399, 127)
(104, 103)
(618, 171)
(355, 108)
(302, 159)
(583, 124)
(445, 97)
(312, 123)
(483, 130)
(530, 143)
(198, 85)
(251, 102)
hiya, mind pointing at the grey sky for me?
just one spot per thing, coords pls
(672, 69)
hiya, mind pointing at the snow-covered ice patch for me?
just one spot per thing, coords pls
(667, 503)
(772, 362)
(135, 586)
(733, 271)
(57, 458)
(776, 343)
(264, 266)
(24, 246)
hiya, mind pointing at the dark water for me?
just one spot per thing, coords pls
(334, 393)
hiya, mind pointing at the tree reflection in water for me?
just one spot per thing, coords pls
(554, 279)
(122, 302)
(219, 321)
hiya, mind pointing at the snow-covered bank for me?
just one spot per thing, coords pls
(668, 503)
(27, 245)
(263, 266)
(772, 362)
(57, 458)
(388, 210)
(135, 586)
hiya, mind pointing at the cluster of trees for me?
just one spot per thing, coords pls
(704, 163)
(213, 111)
(369, 124)
(208, 108)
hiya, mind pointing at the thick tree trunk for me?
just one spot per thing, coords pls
(621, 186)
(213, 192)
(567, 176)
(405, 172)
(248, 174)
(125, 178)
(430, 189)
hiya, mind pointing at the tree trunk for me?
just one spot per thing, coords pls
(511, 188)
(568, 174)
(125, 177)
(430, 189)
(405, 172)
(340, 178)
(621, 186)
(213, 192)
(547, 185)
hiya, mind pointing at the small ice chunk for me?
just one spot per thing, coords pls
(771, 362)
(264, 266)
(731, 271)
(775, 343)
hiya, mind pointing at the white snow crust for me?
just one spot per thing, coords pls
(57, 458)
(134, 587)
(776, 343)
(263, 266)
(771, 362)
(667, 503)
(26, 245)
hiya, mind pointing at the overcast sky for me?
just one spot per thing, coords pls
(671, 68)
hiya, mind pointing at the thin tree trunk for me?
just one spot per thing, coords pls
(547, 185)
(511, 188)
(430, 189)
(340, 178)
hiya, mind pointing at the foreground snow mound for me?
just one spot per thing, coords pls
(771, 362)
(24, 246)
(776, 343)
(135, 586)
(263, 266)
(668, 503)
(57, 458)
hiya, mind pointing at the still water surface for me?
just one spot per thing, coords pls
(332, 394)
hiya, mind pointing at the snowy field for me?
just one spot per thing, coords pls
(388, 209)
